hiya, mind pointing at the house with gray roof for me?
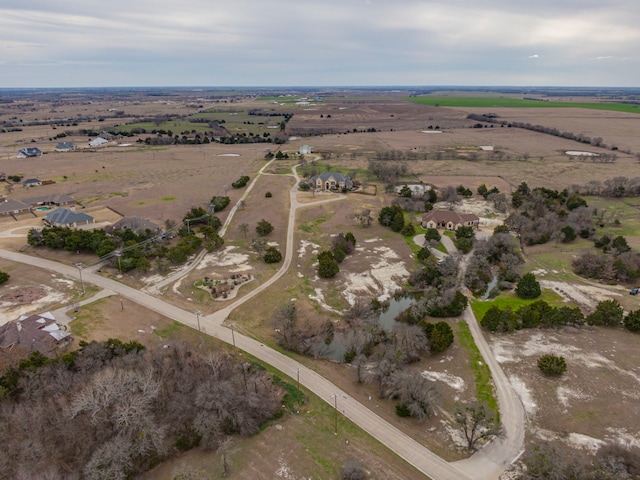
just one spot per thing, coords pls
(136, 224)
(330, 181)
(55, 199)
(62, 217)
(29, 152)
(32, 182)
(65, 147)
(13, 207)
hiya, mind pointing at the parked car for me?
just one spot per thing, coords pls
(634, 291)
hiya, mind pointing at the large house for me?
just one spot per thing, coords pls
(55, 199)
(330, 181)
(135, 224)
(13, 207)
(449, 220)
(97, 142)
(29, 152)
(65, 147)
(61, 217)
(37, 332)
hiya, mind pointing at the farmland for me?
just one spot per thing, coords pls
(347, 131)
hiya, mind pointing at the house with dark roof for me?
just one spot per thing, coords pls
(29, 152)
(55, 199)
(31, 182)
(62, 217)
(65, 147)
(330, 181)
(135, 224)
(449, 220)
(13, 207)
(38, 332)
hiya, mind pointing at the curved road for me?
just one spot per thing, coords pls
(486, 464)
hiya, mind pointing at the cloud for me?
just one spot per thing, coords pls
(329, 42)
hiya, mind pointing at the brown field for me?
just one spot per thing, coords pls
(162, 183)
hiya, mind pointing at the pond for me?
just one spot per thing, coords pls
(387, 319)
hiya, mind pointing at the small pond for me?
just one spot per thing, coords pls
(387, 319)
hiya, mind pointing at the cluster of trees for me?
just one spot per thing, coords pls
(613, 187)
(617, 263)
(491, 118)
(387, 172)
(241, 182)
(297, 334)
(219, 203)
(392, 217)
(611, 462)
(135, 249)
(538, 314)
(498, 255)
(342, 245)
(544, 214)
(437, 283)
(113, 409)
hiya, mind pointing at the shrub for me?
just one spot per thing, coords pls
(4, 276)
(402, 410)
(552, 365)
(268, 195)
(528, 287)
(272, 255)
(264, 228)
(241, 182)
(327, 265)
(608, 313)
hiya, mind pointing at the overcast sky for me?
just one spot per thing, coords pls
(76, 43)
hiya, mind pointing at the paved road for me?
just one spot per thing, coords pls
(486, 464)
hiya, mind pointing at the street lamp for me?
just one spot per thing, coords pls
(79, 265)
(198, 313)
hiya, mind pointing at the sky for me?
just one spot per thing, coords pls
(80, 43)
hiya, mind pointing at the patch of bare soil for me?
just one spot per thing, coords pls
(24, 295)
(576, 408)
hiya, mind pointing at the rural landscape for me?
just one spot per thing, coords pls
(320, 283)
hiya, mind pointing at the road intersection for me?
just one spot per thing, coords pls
(487, 464)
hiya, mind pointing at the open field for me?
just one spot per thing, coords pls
(492, 102)
(163, 183)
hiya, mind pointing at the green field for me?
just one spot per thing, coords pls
(505, 300)
(488, 102)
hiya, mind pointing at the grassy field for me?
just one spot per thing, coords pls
(505, 300)
(485, 102)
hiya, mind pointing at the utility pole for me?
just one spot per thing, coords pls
(298, 386)
(79, 265)
(198, 313)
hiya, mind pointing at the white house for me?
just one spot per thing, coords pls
(97, 142)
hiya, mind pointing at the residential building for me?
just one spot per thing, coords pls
(13, 207)
(62, 217)
(36, 333)
(135, 224)
(329, 181)
(449, 220)
(65, 147)
(31, 182)
(29, 152)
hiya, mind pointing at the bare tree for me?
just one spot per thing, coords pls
(476, 425)
(244, 228)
